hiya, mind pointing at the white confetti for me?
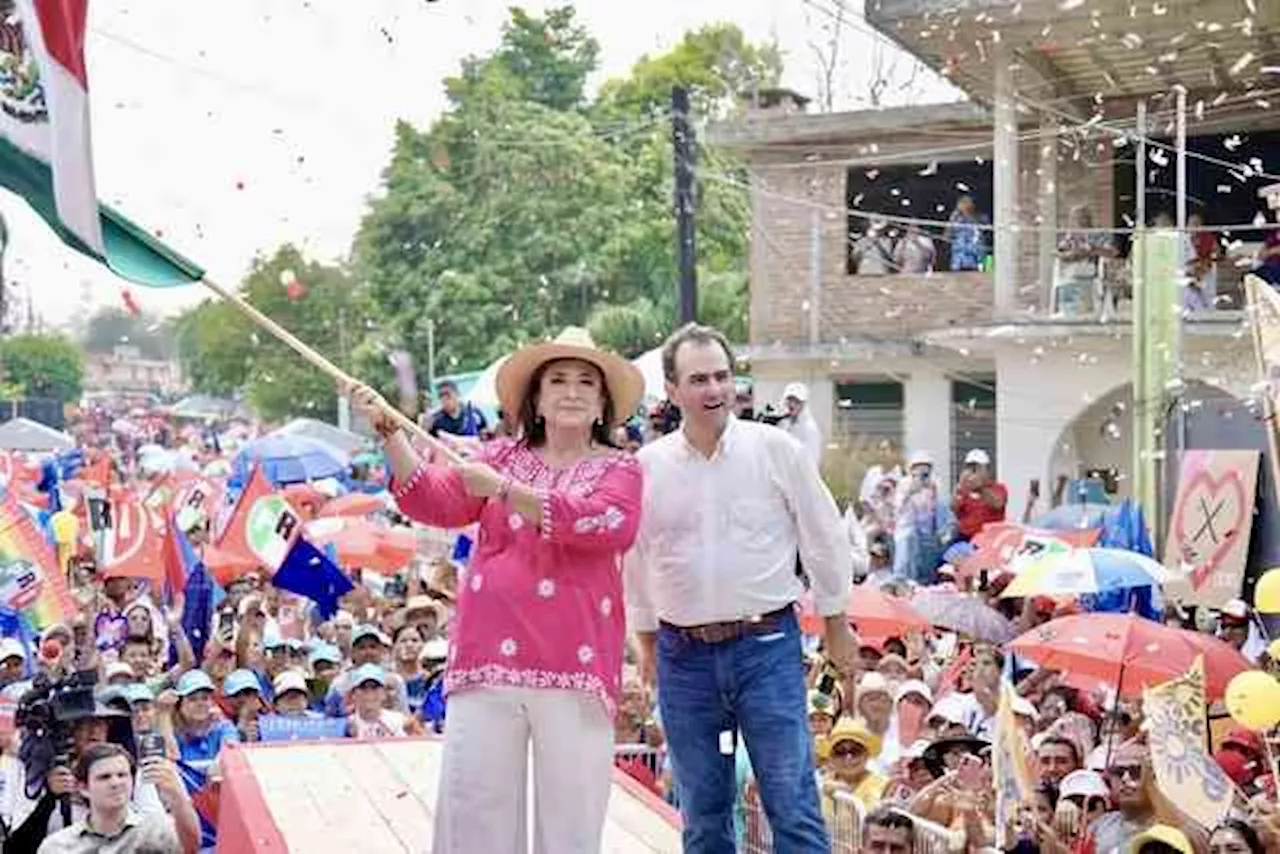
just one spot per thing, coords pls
(1241, 64)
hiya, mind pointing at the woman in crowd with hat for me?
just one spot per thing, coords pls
(537, 638)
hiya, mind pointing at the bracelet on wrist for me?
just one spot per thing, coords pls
(504, 489)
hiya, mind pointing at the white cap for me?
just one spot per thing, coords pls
(118, 668)
(872, 683)
(1236, 608)
(289, 680)
(950, 708)
(920, 458)
(436, 649)
(916, 687)
(1087, 784)
(799, 391)
(977, 457)
(12, 648)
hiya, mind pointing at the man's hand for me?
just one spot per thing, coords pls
(60, 781)
(839, 644)
(162, 774)
(648, 647)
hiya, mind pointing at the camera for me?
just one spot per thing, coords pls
(47, 715)
(771, 415)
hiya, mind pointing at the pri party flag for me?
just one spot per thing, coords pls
(46, 152)
(265, 528)
(1186, 774)
(134, 545)
(30, 581)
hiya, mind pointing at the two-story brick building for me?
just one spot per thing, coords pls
(945, 361)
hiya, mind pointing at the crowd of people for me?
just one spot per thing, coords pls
(673, 601)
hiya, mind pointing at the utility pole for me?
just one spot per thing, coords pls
(682, 144)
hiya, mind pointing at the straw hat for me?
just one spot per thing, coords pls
(623, 379)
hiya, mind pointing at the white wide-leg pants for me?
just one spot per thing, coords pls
(490, 736)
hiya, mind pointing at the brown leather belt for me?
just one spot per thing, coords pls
(732, 629)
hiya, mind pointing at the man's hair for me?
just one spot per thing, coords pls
(95, 753)
(446, 385)
(691, 333)
(890, 820)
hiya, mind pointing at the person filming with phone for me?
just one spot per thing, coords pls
(978, 498)
(923, 526)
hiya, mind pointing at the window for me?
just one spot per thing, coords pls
(867, 411)
(973, 419)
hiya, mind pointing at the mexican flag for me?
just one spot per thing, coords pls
(46, 155)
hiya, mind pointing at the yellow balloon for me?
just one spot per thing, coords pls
(66, 526)
(1253, 700)
(1266, 595)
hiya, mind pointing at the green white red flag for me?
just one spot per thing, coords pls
(46, 150)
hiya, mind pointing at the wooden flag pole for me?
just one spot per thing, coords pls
(1252, 285)
(344, 379)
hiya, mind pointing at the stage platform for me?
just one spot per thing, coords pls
(378, 797)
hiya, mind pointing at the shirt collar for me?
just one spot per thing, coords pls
(131, 819)
(727, 438)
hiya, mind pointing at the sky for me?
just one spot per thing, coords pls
(230, 128)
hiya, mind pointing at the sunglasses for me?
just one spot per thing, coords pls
(846, 750)
(1119, 772)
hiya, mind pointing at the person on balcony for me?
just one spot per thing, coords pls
(964, 233)
(915, 252)
(873, 251)
(1201, 293)
(1079, 252)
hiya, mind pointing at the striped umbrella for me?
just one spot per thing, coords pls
(1080, 572)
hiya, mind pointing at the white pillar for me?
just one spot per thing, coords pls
(1006, 182)
(927, 415)
(1048, 186)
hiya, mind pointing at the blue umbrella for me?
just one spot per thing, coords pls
(1068, 517)
(288, 459)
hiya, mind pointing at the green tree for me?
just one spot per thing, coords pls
(224, 352)
(110, 327)
(43, 365)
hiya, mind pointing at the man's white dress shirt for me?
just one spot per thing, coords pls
(719, 536)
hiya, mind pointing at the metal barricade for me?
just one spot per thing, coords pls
(931, 837)
(651, 756)
(844, 822)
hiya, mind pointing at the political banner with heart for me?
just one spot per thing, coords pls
(1209, 528)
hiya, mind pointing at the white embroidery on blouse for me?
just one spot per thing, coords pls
(515, 521)
(497, 674)
(606, 606)
(508, 647)
(585, 654)
(546, 588)
(610, 520)
(477, 581)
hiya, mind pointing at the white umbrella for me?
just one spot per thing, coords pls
(484, 394)
(650, 367)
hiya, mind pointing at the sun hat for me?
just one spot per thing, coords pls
(623, 380)
(849, 729)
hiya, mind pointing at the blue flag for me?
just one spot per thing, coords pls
(309, 572)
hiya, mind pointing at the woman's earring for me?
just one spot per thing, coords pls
(598, 423)
(539, 421)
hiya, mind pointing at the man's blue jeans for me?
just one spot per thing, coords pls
(753, 685)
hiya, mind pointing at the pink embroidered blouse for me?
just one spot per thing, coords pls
(538, 606)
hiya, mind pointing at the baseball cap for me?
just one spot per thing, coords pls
(1235, 611)
(240, 680)
(368, 673)
(289, 680)
(977, 457)
(436, 649)
(138, 692)
(12, 648)
(872, 683)
(821, 704)
(193, 681)
(1171, 836)
(1084, 783)
(119, 668)
(799, 391)
(368, 631)
(916, 687)
(325, 652)
(920, 458)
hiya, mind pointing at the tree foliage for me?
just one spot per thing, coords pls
(110, 327)
(224, 353)
(43, 366)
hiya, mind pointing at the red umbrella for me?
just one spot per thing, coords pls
(1128, 651)
(364, 544)
(875, 614)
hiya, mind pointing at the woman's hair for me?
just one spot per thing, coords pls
(1049, 791)
(533, 429)
(395, 636)
(1246, 831)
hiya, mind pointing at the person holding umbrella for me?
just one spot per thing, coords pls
(537, 640)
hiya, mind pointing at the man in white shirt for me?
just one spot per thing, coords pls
(800, 422)
(711, 589)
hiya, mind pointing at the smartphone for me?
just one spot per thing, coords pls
(827, 684)
(150, 746)
(226, 623)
